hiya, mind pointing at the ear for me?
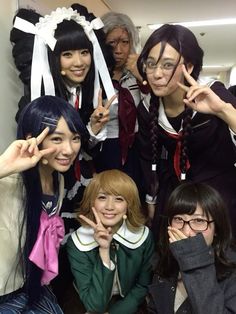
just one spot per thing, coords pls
(189, 68)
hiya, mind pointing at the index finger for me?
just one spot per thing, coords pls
(96, 216)
(188, 77)
(88, 221)
(42, 135)
(110, 101)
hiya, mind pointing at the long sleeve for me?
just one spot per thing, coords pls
(136, 295)
(92, 279)
(197, 267)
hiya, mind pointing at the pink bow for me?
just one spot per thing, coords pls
(45, 251)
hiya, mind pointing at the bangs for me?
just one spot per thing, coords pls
(71, 36)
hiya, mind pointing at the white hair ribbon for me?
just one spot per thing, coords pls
(40, 69)
(44, 34)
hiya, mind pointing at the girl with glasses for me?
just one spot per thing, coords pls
(186, 131)
(196, 265)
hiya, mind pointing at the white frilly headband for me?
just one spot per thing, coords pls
(44, 35)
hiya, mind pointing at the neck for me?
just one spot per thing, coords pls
(117, 73)
(173, 104)
(46, 180)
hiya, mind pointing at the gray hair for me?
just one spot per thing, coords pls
(113, 20)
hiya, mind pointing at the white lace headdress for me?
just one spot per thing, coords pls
(44, 35)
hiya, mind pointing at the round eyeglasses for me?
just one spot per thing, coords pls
(167, 67)
(196, 224)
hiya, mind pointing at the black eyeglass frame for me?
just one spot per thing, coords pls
(189, 223)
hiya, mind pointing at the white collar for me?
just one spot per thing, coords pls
(84, 240)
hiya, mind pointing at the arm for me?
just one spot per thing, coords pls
(197, 267)
(135, 297)
(92, 279)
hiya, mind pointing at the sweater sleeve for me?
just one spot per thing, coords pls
(197, 267)
(92, 279)
(136, 296)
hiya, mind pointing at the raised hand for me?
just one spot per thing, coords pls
(23, 154)
(203, 99)
(102, 235)
(100, 116)
(131, 65)
(175, 235)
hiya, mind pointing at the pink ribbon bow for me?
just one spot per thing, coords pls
(45, 251)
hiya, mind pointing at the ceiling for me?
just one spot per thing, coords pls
(218, 42)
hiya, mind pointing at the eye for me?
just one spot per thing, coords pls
(119, 199)
(177, 219)
(77, 138)
(85, 52)
(56, 139)
(111, 43)
(199, 221)
(125, 41)
(66, 54)
(101, 197)
(168, 66)
(150, 64)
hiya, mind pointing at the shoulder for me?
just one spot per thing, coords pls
(83, 239)
(220, 89)
(132, 239)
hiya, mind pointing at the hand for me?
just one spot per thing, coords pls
(131, 65)
(23, 154)
(102, 235)
(201, 98)
(175, 235)
(100, 116)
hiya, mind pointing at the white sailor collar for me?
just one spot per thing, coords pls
(163, 121)
(84, 240)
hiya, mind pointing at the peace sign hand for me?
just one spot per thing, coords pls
(102, 235)
(201, 98)
(100, 116)
(23, 154)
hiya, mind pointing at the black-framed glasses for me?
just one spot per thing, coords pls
(167, 67)
(196, 224)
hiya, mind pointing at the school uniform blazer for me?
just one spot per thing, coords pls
(11, 218)
(197, 267)
(131, 253)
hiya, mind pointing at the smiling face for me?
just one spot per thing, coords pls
(199, 219)
(119, 39)
(66, 144)
(159, 78)
(75, 65)
(110, 208)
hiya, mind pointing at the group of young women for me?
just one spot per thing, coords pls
(162, 128)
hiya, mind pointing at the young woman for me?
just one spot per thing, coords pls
(196, 268)
(110, 254)
(31, 231)
(188, 131)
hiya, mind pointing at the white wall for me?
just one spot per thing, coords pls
(10, 86)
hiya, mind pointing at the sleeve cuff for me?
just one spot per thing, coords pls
(94, 139)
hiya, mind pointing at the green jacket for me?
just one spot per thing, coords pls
(131, 254)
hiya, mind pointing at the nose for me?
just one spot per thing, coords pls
(188, 231)
(117, 48)
(67, 148)
(77, 60)
(109, 203)
(158, 72)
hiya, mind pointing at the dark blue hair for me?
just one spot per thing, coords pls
(33, 119)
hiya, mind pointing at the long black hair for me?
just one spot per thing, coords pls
(184, 200)
(33, 119)
(185, 42)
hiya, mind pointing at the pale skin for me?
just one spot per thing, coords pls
(100, 116)
(102, 235)
(75, 65)
(203, 99)
(23, 154)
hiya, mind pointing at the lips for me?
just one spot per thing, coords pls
(109, 216)
(63, 162)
